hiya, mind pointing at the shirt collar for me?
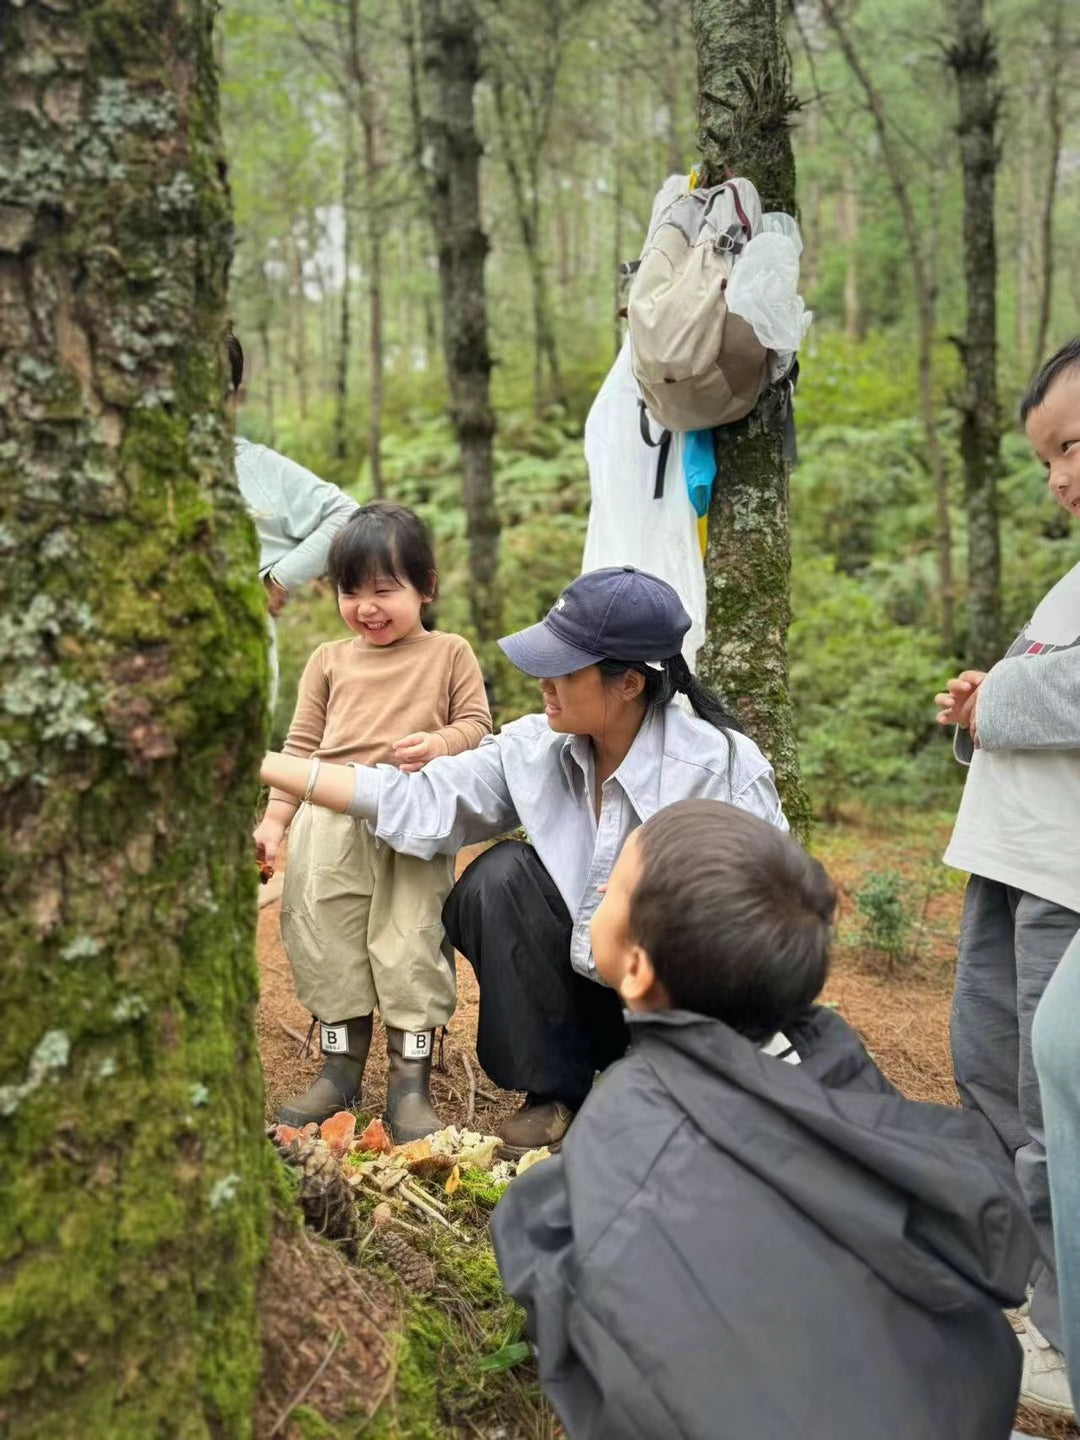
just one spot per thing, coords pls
(639, 773)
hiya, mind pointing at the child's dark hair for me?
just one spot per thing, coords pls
(673, 678)
(1067, 358)
(734, 914)
(383, 539)
(236, 359)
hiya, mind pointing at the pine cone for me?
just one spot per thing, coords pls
(325, 1198)
(414, 1270)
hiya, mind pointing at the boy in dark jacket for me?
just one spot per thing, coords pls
(749, 1233)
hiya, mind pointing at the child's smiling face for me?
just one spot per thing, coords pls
(1054, 431)
(382, 609)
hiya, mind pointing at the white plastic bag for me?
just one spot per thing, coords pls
(626, 525)
(764, 290)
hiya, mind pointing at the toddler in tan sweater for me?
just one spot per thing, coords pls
(362, 924)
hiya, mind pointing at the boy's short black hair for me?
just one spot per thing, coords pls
(1063, 360)
(734, 914)
(383, 539)
(236, 360)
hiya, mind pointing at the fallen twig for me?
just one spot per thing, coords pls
(470, 1109)
(298, 1398)
(301, 1040)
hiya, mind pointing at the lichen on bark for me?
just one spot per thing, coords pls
(132, 673)
(745, 105)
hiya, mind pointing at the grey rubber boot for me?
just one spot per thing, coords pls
(345, 1045)
(408, 1101)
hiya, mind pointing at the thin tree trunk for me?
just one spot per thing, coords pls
(348, 204)
(298, 319)
(925, 317)
(362, 89)
(265, 349)
(133, 1189)
(416, 130)
(617, 257)
(973, 60)
(1025, 256)
(1054, 129)
(741, 53)
(375, 287)
(852, 310)
(530, 132)
(451, 62)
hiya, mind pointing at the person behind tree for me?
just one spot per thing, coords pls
(1019, 732)
(361, 921)
(609, 750)
(296, 514)
(748, 1232)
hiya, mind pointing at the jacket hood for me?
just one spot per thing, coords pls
(923, 1194)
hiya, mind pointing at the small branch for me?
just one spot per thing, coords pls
(470, 1109)
(301, 1394)
(301, 1040)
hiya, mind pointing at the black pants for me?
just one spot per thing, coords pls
(543, 1027)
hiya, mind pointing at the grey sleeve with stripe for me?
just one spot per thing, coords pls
(1032, 702)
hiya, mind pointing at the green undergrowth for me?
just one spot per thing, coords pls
(463, 1364)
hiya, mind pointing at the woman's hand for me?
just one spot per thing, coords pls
(268, 835)
(276, 595)
(958, 702)
(414, 751)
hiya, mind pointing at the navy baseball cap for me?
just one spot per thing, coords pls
(615, 614)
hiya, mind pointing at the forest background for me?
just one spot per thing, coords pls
(584, 106)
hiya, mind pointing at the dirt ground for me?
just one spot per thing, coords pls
(901, 1013)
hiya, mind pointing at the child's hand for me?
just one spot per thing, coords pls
(417, 749)
(958, 702)
(267, 835)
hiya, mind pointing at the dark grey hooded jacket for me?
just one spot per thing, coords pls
(734, 1248)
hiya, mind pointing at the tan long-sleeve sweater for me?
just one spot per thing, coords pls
(355, 700)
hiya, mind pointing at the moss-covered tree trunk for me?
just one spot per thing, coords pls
(132, 669)
(973, 61)
(744, 105)
(451, 67)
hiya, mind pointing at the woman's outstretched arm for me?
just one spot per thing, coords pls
(334, 784)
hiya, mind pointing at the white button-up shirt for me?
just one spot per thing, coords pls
(529, 775)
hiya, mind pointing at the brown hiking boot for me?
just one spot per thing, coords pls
(345, 1045)
(408, 1101)
(536, 1123)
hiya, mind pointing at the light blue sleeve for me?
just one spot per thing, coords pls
(309, 511)
(454, 801)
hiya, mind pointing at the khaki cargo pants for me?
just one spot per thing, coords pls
(362, 925)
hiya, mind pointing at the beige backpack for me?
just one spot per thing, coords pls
(697, 365)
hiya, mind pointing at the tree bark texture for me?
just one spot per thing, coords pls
(132, 679)
(451, 65)
(744, 108)
(973, 60)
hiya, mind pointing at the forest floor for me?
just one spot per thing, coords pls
(900, 1008)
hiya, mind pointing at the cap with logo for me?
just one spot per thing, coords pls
(615, 614)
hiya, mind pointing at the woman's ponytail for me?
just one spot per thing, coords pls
(670, 678)
(704, 702)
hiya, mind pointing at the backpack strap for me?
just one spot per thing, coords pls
(663, 445)
(743, 221)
